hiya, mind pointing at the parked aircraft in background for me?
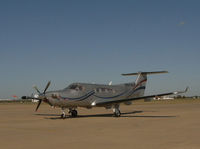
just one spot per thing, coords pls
(97, 95)
(14, 98)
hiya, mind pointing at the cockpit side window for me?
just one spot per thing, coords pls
(80, 88)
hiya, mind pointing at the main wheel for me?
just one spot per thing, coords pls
(74, 113)
(63, 116)
(117, 113)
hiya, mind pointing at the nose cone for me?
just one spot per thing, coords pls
(40, 96)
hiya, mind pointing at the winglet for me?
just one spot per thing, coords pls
(187, 88)
(180, 92)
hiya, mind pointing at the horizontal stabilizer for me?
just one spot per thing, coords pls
(145, 73)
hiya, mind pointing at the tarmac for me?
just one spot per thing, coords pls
(141, 126)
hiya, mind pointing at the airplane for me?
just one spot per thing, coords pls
(97, 95)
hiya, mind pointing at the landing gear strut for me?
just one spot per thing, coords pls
(73, 112)
(116, 111)
(63, 115)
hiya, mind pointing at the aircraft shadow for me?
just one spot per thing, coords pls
(41, 114)
(124, 114)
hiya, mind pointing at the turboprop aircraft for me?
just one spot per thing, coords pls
(97, 95)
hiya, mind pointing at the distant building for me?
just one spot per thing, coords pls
(196, 97)
(163, 98)
(33, 100)
(6, 100)
(9, 100)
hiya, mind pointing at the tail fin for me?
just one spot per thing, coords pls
(140, 83)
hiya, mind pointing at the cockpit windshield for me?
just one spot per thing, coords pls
(73, 86)
(76, 87)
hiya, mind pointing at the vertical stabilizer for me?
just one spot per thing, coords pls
(140, 83)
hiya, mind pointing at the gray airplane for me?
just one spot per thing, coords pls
(97, 95)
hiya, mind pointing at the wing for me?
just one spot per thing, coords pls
(135, 98)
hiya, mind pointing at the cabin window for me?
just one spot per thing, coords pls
(107, 90)
(103, 89)
(97, 90)
(110, 90)
(80, 88)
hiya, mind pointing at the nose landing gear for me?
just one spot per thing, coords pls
(63, 115)
(116, 111)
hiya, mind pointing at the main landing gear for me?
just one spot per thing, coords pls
(73, 113)
(116, 111)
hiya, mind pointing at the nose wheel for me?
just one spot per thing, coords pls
(63, 115)
(116, 111)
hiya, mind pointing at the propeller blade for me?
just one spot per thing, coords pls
(47, 86)
(35, 87)
(38, 105)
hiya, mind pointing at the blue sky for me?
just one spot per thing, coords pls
(95, 41)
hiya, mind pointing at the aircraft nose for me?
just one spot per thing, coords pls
(40, 96)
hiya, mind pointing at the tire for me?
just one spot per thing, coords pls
(74, 113)
(63, 116)
(117, 113)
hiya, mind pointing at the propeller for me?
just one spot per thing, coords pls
(35, 87)
(40, 96)
(43, 94)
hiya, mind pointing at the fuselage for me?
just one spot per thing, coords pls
(84, 95)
